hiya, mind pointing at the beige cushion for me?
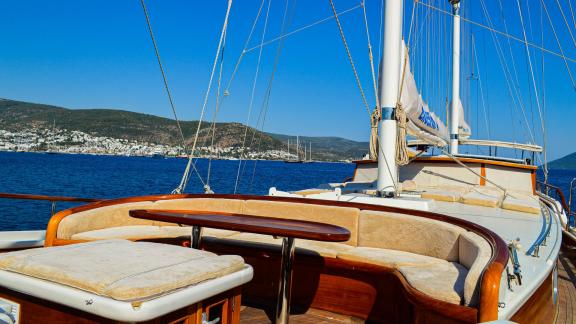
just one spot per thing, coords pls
(117, 215)
(134, 271)
(410, 234)
(521, 203)
(449, 194)
(483, 196)
(135, 232)
(386, 257)
(442, 280)
(475, 253)
(99, 218)
(342, 216)
(434, 277)
(325, 249)
(146, 232)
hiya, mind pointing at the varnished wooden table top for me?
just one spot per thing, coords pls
(249, 223)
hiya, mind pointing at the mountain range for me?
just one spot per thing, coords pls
(121, 124)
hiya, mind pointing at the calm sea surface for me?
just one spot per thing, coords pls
(115, 176)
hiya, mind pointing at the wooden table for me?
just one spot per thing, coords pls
(287, 229)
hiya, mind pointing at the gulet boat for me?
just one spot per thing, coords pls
(411, 238)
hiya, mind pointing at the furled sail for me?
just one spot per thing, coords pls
(422, 122)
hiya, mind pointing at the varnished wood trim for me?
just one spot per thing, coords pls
(540, 307)
(534, 182)
(490, 283)
(483, 174)
(48, 198)
(444, 159)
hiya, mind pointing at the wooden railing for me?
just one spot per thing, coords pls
(554, 192)
(52, 199)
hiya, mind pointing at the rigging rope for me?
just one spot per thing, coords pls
(252, 94)
(166, 87)
(542, 48)
(559, 45)
(182, 186)
(545, 166)
(349, 54)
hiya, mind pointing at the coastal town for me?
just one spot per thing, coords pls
(77, 142)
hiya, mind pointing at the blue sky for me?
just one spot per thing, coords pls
(81, 54)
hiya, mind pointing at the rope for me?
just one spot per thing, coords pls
(401, 146)
(545, 167)
(541, 48)
(370, 56)
(297, 30)
(252, 94)
(559, 45)
(165, 80)
(358, 83)
(185, 176)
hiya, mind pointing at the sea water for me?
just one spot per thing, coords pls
(96, 176)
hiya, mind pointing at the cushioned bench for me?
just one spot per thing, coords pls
(126, 281)
(439, 259)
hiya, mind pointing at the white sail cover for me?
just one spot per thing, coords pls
(464, 130)
(423, 123)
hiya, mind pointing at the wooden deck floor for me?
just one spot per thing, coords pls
(567, 285)
(566, 299)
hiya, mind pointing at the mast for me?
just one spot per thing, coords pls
(454, 109)
(288, 147)
(297, 147)
(389, 84)
(310, 152)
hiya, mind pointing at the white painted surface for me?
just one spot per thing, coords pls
(121, 310)
(21, 239)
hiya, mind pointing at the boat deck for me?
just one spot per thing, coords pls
(567, 285)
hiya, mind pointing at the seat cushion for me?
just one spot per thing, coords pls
(409, 233)
(475, 253)
(434, 277)
(522, 203)
(121, 269)
(325, 249)
(386, 257)
(440, 280)
(448, 193)
(483, 196)
(135, 232)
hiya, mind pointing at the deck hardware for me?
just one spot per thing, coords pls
(196, 237)
(53, 208)
(509, 278)
(517, 272)
(501, 305)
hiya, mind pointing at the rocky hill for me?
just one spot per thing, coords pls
(121, 124)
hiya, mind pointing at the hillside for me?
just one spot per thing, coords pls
(324, 148)
(565, 163)
(18, 116)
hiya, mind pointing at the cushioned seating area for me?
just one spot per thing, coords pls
(136, 271)
(146, 232)
(439, 259)
(324, 249)
(116, 216)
